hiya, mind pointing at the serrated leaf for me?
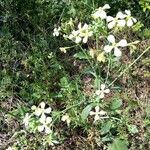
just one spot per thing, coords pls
(118, 144)
(81, 55)
(116, 103)
(86, 112)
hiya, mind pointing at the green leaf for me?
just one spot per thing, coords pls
(118, 144)
(81, 55)
(116, 103)
(86, 111)
(132, 129)
(106, 127)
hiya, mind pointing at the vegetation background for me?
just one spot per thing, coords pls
(33, 70)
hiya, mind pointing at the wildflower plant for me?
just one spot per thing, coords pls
(39, 119)
(100, 28)
(72, 67)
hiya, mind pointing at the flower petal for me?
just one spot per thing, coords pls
(41, 128)
(26, 119)
(122, 43)
(111, 24)
(42, 105)
(102, 112)
(33, 107)
(97, 109)
(92, 113)
(90, 33)
(71, 36)
(108, 48)
(101, 95)
(96, 15)
(103, 86)
(78, 39)
(38, 112)
(42, 118)
(48, 130)
(134, 20)
(109, 18)
(48, 120)
(107, 91)
(79, 25)
(75, 33)
(92, 52)
(128, 12)
(120, 15)
(121, 23)
(98, 92)
(85, 39)
(106, 6)
(47, 110)
(64, 117)
(117, 52)
(85, 27)
(111, 39)
(129, 22)
(103, 15)
(96, 118)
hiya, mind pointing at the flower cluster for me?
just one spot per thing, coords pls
(121, 20)
(81, 34)
(84, 32)
(42, 114)
(44, 120)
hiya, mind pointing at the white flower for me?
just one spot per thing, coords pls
(102, 91)
(45, 124)
(41, 110)
(98, 114)
(84, 32)
(26, 119)
(10, 148)
(115, 45)
(100, 13)
(130, 19)
(66, 118)
(117, 21)
(81, 34)
(92, 52)
(63, 49)
(56, 31)
(75, 36)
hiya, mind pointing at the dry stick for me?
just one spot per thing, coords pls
(130, 65)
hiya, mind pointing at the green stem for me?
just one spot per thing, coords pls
(91, 65)
(3, 110)
(130, 65)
